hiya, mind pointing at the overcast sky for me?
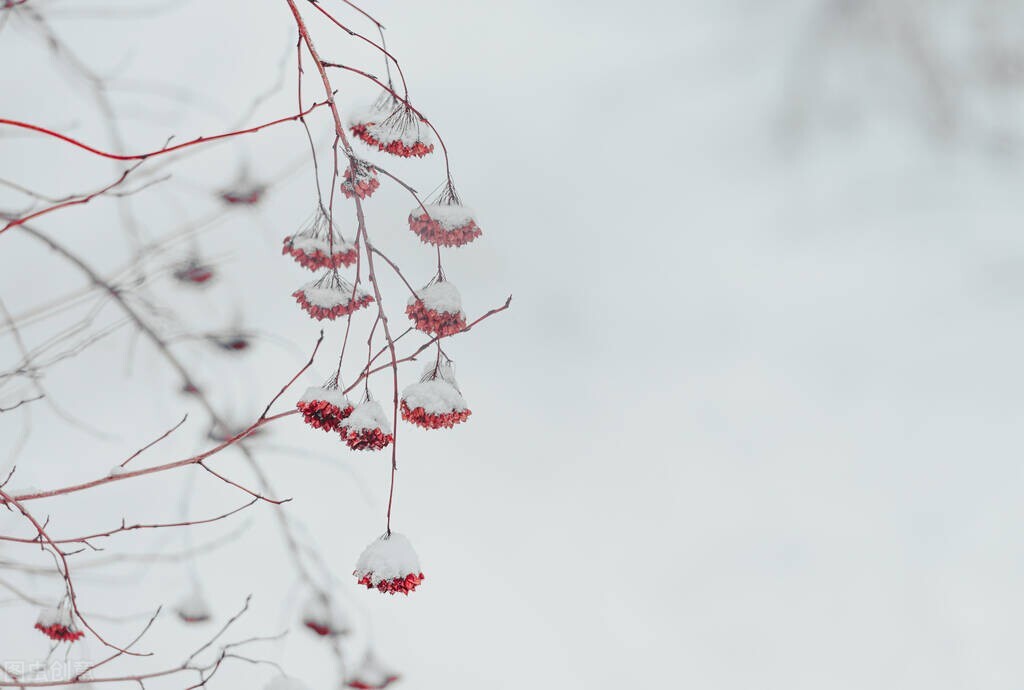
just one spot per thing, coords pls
(752, 419)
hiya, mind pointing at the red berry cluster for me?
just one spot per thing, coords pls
(233, 344)
(59, 632)
(440, 323)
(432, 232)
(193, 619)
(318, 627)
(366, 439)
(360, 684)
(320, 313)
(246, 198)
(433, 420)
(321, 414)
(193, 273)
(363, 185)
(318, 259)
(402, 585)
(395, 147)
(361, 131)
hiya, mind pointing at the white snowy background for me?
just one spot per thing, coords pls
(753, 419)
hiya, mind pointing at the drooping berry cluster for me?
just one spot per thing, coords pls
(331, 297)
(319, 245)
(397, 585)
(361, 182)
(437, 308)
(444, 224)
(324, 407)
(389, 565)
(435, 402)
(232, 342)
(322, 617)
(193, 272)
(391, 126)
(372, 675)
(367, 428)
(193, 608)
(243, 196)
(58, 624)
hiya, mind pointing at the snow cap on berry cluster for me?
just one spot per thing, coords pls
(321, 616)
(193, 272)
(324, 407)
(372, 675)
(440, 296)
(360, 179)
(193, 607)
(58, 623)
(445, 221)
(389, 564)
(367, 428)
(368, 415)
(448, 216)
(374, 112)
(391, 126)
(243, 193)
(328, 394)
(437, 308)
(405, 129)
(331, 296)
(435, 401)
(318, 244)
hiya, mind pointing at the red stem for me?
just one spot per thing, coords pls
(157, 152)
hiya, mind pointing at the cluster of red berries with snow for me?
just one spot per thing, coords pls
(390, 565)
(193, 272)
(244, 192)
(436, 401)
(324, 407)
(367, 428)
(194, 608)
(319, 245)
(446, 222)
(331, 297)
(322, 617)
(437, 308)
(360, 180)
(372, 675)
(58, 624)
(232, 342)
(391, 126)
